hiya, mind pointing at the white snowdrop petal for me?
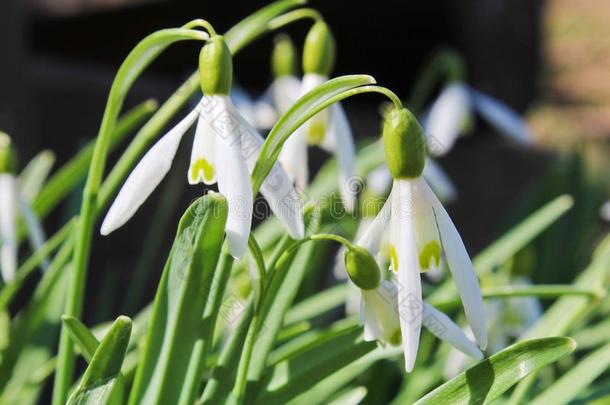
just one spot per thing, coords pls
(264, 113)
(285, 90)
(293, 157)
(36, 233)
(379, 180)
(243, 103)
(445, 118)
(403, 253)
(462, 271)
(445, 329)
(277, 188)
(438, 180)
(233, 179)
(202, 168)
(146, 176)
(339, 130)
(373, 234)
(502, 117)
(8, 226)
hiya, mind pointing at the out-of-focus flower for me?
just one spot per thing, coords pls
(329, 129)
(14, 204)
(420, 231)
(455, 105)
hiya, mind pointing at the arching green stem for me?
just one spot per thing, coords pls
(296, 15)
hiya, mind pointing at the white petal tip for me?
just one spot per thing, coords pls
(237, 244)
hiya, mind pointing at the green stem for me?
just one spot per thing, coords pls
(296, 15)
(138, 59)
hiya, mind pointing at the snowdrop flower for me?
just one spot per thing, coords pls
(420, 232)
(13, 204)
(379, 306)
(329, 129)
(225, 150)
(453, 107)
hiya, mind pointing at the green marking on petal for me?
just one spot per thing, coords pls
(394, 258)
(316, 131)
(396, 338)
(432, 251)
(202, 165)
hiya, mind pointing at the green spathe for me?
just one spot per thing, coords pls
(284, 57)
(215, 67)
(362, 268)
(319, 50)
(7, 156)
(404, 144)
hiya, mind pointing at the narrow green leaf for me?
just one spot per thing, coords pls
(519, 236)
(302, 110)
(577, 379)
(563, 314)
(539, 291)
(283, 288)
(492, 377)
(8, 291)
(255, 25)
(176, 320)
(34, 334)
(593, 336)
(82, 336)
(103, 371)
(299, 373)
(317, 304)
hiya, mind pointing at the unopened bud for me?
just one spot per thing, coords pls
(362, 268)
(7, 155)
(404, 144)
(215, 67)
(284, 57)
(319, 50)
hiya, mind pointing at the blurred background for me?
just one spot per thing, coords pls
(547, 59)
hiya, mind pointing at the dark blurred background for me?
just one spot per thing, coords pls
(59, 58)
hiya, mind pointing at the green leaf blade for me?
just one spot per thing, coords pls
(492, 377)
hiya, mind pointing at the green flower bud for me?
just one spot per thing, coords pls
(319, 50)
(284, 57)
(215, 67)
(8, 162)
(362, 268)
(404, 144)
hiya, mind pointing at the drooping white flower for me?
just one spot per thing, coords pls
(453, 107)
(14, 204)
(420, 233)
(225, 150)
(384, 312)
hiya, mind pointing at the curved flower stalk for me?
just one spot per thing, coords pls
(13, 205)
(329, 129)
(454, 107)
(380, 307)
(508, 320)
(420, 231)
(224, 151)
